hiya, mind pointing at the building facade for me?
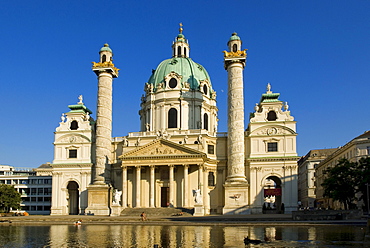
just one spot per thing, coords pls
(353, 151)
(307, 176)
(34, 187)
(178, 158)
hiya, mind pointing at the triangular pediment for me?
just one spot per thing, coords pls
(162, 148)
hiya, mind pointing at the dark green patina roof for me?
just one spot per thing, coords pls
(79, 108)
(270, 97)
(190, 71)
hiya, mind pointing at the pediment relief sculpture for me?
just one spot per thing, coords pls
(73, 139)
(274, 130)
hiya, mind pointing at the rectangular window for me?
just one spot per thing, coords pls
(368, 150)
(40, 191)
(272, 147)
(33, 191)
(211, 149)
(47, 191)
(72, 153)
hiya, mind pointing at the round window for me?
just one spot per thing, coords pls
(172, 83)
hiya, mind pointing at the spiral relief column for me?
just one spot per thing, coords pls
(236, 185)
(99, 191)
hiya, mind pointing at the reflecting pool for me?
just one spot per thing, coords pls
(179, 236)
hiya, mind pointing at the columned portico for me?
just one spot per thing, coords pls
(138, 184)
(186, 185)
(170, 184)
(124, 186)
(152, 186)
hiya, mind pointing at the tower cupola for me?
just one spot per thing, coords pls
(106, 54)
(234, 43)
(180, 47)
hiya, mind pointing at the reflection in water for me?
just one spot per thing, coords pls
(178, 236)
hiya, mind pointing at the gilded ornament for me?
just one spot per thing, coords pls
(235, 54)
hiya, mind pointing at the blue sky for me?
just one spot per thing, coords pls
(315, 53)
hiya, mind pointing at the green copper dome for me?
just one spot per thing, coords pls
(190, 71)
(105, 48)
(234, 36)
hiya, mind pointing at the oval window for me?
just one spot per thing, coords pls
(205, 89)
(172, 83)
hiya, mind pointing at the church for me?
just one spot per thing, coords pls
(178, 158)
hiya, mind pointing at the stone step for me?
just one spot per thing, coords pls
(157, 211)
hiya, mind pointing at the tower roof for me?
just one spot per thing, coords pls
(190, 71)
(105, 48)
(269, 96)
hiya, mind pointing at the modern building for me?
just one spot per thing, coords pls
(35, 188)
(177, 158)
(307, 176)
(354, 150)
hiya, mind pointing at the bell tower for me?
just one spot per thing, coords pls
(236, 185)
(99, 191)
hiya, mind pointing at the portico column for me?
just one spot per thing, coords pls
(205, 191)
(200, 178)
(124, 186)
(186, 185)
(171, 183)
(138, 188)
(152, 184)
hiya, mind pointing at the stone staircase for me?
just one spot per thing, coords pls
(168, 212)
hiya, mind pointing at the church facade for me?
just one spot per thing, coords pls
(178, 158)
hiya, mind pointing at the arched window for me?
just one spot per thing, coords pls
(205, 121)
(178, 51)
(271, 116)
(104, 58)
(172, 118)
(205, 89)
(74, 125)
(235, 48)
(172, 83)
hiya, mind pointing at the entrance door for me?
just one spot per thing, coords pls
(165, 197)
(73, 198)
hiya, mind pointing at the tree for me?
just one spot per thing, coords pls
(340, 182)
(9, 198)
(363, 178)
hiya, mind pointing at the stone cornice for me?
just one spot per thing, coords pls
(72, 165)
(273, 159)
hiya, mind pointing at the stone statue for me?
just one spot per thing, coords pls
(198, 197)
(286, 106)
(147, 127)
(63, 117)
(186, 139)
(80, 98)
(138, 142)
(87, 117)
(256, 107)
(125, 141)
(268, 88)
(117, 196)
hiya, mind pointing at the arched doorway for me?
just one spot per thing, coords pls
(272, 192)
(73, 198)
